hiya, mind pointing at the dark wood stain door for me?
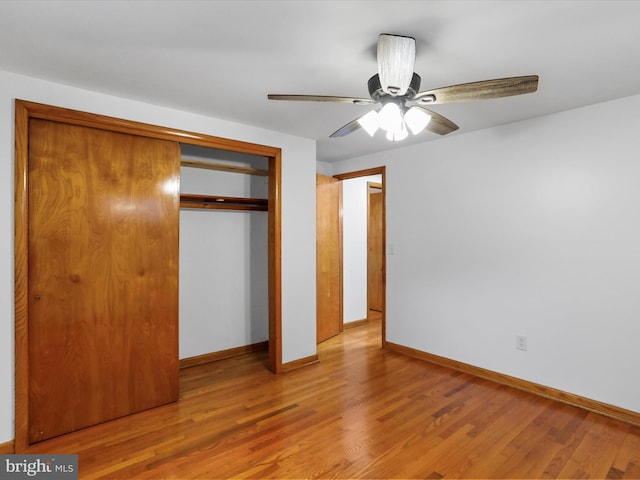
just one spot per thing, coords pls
(103, 275)
(328, 258)
(375, 250)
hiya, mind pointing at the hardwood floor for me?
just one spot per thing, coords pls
(361, 412)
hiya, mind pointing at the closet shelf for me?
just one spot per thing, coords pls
(216, 202)
(223, 167)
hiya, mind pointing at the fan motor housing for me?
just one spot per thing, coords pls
(376, 92)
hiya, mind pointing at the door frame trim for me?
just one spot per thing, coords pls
(365, 173)
(24, 111)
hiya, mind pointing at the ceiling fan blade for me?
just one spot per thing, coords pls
(438, 124)
(487, 89)
(350, 127)
(396, 59)
(320, 98)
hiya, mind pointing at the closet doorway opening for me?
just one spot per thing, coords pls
(224, 261)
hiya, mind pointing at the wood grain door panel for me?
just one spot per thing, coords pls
(103, 275)
(328, 258)
(375, 253)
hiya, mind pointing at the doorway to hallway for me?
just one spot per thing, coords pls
(364, 251)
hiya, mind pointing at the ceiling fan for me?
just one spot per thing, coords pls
(396, 87)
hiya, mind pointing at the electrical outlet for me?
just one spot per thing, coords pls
(521, 343)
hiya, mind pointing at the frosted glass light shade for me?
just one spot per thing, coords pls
(396, 125)
(369, 122)
(390, 117)
(416, 119)
(399, 134)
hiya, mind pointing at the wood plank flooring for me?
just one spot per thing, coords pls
(362, 412)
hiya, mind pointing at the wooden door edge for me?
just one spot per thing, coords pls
(21, 409)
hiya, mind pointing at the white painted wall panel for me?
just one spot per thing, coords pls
(299, 252)
(223, 280)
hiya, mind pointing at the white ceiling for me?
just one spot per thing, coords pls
(221, 58)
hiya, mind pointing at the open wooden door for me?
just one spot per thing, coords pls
(328, 257)
(375, 249)
(102, 275)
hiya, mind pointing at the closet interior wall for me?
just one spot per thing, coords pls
(224, 301)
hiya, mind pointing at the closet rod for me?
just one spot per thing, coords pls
(223, 167)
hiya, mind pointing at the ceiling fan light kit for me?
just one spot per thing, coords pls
(396, 87)
(394, 121)
(391, 121)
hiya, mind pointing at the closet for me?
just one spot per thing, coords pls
(224, 297)
(98, 247)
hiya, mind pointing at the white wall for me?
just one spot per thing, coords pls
(298, 210)
(528, 229)
(324, 168)
(224, 299)
(354, 246)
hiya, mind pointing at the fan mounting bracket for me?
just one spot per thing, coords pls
(379, 95)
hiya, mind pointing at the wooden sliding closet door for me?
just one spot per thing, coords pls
(103, 275)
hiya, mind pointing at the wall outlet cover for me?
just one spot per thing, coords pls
(521, 343)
